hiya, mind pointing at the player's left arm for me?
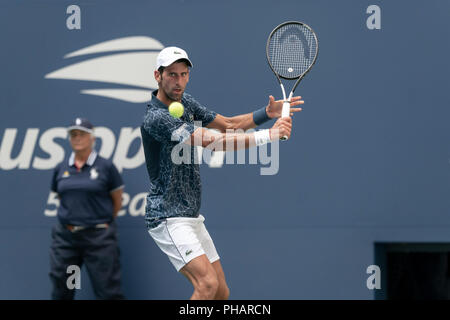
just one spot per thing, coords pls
(246, 121)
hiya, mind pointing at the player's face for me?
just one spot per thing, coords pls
(173, 80)
(80, 140)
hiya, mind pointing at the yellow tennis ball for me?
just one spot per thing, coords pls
(176, 109)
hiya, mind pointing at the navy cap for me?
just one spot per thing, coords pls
(81, 124)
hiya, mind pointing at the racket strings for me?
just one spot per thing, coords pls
(292, 50)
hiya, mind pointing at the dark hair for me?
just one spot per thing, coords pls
(161, 69)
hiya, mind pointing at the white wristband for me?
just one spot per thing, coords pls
(262, 137)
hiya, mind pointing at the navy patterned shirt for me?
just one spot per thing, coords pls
(175, 188)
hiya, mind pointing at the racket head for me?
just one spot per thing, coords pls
(291, 50)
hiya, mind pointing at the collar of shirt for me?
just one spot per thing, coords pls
(89, 162)
(156, 102)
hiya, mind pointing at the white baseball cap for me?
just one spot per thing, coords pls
(169, 55)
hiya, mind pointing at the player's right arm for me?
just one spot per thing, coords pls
(230, 141)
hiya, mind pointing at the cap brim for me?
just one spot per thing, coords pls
(180, 59)
(79, 128)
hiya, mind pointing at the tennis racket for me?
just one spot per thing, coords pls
(291, 50)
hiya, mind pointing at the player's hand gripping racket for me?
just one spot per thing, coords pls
(291, 49)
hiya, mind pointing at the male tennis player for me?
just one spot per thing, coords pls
(173, 203)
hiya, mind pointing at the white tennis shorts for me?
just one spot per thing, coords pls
(183, 239)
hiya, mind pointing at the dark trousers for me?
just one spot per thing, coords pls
(419, 275)
(97, 248)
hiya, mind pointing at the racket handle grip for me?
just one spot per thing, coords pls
(285, 112)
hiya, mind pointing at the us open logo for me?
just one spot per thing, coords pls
(127, 63)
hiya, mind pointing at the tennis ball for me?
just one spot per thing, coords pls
(176, 109)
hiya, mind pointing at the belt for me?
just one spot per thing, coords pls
(72, 228)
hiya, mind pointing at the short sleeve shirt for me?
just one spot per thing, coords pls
(175, 187)
(85, 193)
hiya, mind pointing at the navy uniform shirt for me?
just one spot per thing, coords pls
(175, 189)
(85, 194)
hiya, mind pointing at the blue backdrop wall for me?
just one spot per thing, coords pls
(368, 160)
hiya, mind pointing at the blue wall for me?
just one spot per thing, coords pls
(368, 160)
